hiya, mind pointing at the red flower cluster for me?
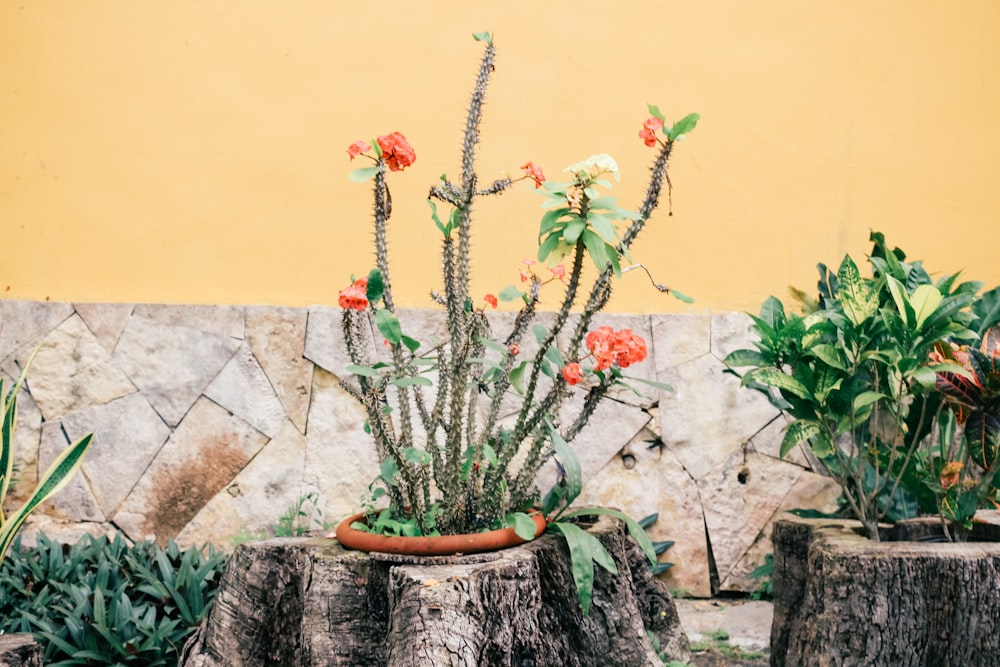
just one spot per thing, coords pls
(355, 296)
(534, 172)
(572, 373)
(609, 347)
(648, 131)
(490, 299)
(357, 148)
(396, 151)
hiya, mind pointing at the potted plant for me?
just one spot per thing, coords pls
(451, 464)
(462, 426)
(890, 382)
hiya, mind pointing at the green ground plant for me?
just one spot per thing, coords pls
(104, 601)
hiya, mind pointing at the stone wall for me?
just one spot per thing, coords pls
(211, 421)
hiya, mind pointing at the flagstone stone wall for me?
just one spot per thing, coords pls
(211, 421)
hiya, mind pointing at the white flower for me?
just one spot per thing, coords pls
(596, 165)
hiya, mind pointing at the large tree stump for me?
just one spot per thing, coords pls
(20, 650)
(309, 602)
(841, 599)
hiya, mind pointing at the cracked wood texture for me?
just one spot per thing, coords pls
(20, 650)
(307, 602)
(843, 600)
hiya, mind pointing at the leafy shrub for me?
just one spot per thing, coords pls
(102, 601)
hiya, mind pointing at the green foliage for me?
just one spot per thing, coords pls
(857, 376)
(55, 478)
(102, 601)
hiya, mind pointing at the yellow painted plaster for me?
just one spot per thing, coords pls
(193, 152)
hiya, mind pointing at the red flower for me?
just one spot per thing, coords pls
(396, 151)
(490, 299)
(354, 297)
(357, 148)
(600, 342)
(572, 373)
(629, 348)
(648, 131)
(534, 172)
(514, 349)
(615, 347)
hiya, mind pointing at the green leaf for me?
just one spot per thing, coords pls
(412, 344)
(866, 398)
(740, 358)
(603, 226)
(680, 296)
(635, 529)
(483, 37)
(652, 383)
(925, 300)
(573, 230)
(569, 462)
(775, 378)
(522, 525)
(415, 455)
(388, 326)
(510, 293)
(445, 229)
(683, 126)
(654, 111)
(584, 551)
(798, 431)
(55, 478)
(597, 249)
(364, 173)
(829, 355)
(551, 242)
(858, 300)
(517, 377)
(900, 297)
(376, 287)
(772, 313)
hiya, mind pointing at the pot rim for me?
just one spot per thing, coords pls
(440, 545)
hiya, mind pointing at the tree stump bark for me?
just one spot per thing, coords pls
(20, 650)
(841, 599)
(305, 602)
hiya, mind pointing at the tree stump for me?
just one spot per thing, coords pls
(20, 650)
(841, 599)
(308, 602)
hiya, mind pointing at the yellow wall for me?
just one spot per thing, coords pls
(193, 152)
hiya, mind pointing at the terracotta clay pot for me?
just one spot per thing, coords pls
(442, 545)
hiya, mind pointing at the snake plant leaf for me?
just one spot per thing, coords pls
(54, 479)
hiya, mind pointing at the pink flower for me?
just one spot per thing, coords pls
(648, 131)
(534, 172)
(572, 373)
(559, 272)
(357, 148)
(396, 151)
(490, 299)
(514, 349)
(355, 296)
